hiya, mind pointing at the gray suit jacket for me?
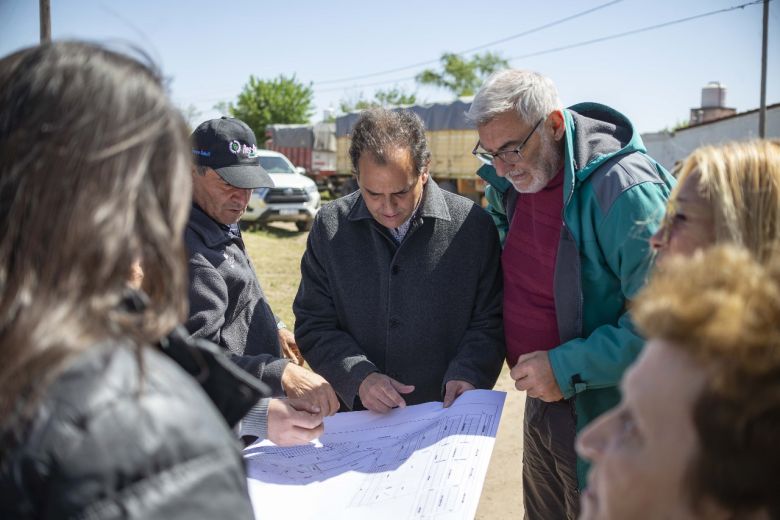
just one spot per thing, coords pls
(423, 312)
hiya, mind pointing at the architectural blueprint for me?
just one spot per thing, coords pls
(418, 462)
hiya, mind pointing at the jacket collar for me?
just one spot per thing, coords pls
(212, 232)
(594, 134)
(433, 205)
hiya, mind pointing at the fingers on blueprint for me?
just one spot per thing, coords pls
(288, 426)
(381, 393)
(453, 389)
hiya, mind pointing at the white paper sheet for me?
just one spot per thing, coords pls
(418, 462)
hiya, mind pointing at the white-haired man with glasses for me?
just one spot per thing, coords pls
(576, 199)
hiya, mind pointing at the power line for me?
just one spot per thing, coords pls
(635, 31)
(571, 46)
(541, 27)
(489, 44)
(384, 82)
(537, 53)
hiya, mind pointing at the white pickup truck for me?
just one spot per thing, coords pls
(294, 197)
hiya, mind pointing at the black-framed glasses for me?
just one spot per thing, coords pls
(512, 156)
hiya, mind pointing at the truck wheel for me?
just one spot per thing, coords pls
(303, 225)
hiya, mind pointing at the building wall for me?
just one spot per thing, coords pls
(450, 154)
(706, 114)
(668, 148)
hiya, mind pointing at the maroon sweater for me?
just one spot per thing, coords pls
(528, 261)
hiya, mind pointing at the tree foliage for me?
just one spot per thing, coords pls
(281, 100)
(462, 76)
(394, 97)
(391, 97)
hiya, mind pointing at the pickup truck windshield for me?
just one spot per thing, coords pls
(275, 165)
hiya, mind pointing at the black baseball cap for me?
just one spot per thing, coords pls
(228, 146)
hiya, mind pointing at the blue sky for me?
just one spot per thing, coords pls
(209, 49)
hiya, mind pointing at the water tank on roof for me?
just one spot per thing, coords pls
(713, 95)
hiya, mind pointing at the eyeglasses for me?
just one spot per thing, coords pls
(512, 156)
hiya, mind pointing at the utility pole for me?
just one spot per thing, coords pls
(45, 21)
(762, 109)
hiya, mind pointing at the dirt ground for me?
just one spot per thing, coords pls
(276, 253)
(502, 494)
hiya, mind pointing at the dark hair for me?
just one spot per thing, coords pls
(378, 131)
(94, 175)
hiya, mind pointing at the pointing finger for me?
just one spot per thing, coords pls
(391, 397)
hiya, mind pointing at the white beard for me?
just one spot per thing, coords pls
(536, 176)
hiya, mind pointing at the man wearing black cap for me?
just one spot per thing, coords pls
(227, 304)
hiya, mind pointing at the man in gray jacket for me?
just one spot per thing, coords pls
(227, 304)
(400, 296)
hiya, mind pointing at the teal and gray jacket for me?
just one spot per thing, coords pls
(614, 198)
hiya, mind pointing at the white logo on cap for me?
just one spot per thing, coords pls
(248, 152)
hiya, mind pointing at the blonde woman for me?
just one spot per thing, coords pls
(725, 194)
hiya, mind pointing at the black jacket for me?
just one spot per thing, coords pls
(117, 435)
(227, 305)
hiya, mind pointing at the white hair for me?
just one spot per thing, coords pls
(532, 95)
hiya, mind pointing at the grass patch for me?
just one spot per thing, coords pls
(276, 252)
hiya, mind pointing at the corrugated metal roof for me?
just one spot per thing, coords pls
(293, 136)
(435, 116)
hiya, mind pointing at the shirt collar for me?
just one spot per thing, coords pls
(212, 232)
(432, 205)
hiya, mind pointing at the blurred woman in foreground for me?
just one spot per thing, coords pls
(94, 421)
(695, 434)
(696, 431)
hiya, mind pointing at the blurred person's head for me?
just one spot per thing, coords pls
(94, 176)
(696, 432)
(519, 118)
(227, 168)
(725, 194)
(390, 159)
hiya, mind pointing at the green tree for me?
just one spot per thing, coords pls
(395, 97)
(460, 76)
(281, 100)
(391, 97)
